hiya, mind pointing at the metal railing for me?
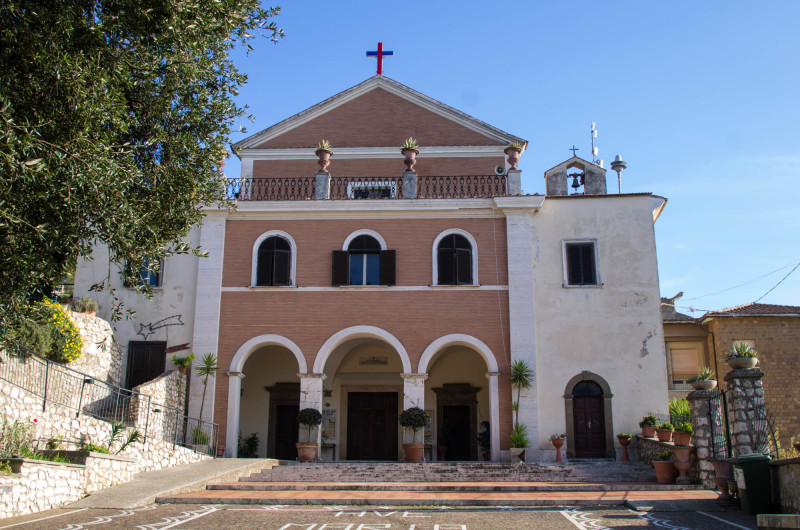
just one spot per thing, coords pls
(461, 187)
(60, 385)
(271, 189)
(366, 187)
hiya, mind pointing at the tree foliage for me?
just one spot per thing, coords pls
(114, 121)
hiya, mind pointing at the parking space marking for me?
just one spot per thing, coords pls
(723, 520)
(582, 520)
(44, 518)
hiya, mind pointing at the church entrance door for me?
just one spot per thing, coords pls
(589, 421)
(372, 426)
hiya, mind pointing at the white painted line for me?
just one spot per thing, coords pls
(578, 518)
(198, 516)
(44, 518)
(724, 520)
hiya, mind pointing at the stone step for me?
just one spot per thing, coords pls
(450, 486)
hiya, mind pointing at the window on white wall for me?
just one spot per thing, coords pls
(580, 263)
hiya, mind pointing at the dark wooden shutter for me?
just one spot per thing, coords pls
(264, 266)
(283, 259)
(464, 265)
(587, 263)
(340, 267)
(446, 266)
(387, 272)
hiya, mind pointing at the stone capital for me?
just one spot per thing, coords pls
(312, 376)
(489, 375)
(414, 376)
(240, 375)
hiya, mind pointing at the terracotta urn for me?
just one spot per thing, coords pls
(513, 156)
(411, 158)
(306, 451)
(708, 384)
(413, 452)
(182, 369)
(666, 472)
(738, 363)
(683, 463)
(324, 159)
(649, 431)
(557, 443)
(664, 435)
(723, 475)
(682, 438)
(624, 443)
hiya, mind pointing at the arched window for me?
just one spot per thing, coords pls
(274, 262)
(454, 260)
(364, 261)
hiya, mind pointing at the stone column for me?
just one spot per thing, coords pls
(322, 187)
(414, 390)
(234, 402)
(514, 182)
(701, 435)
(409, 184)
(494, 415)
(311, 396)
(746, 404)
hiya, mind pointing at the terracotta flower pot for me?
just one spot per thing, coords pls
(666, 472)
(557, 443)
(649, 431)
(513, 156)
(682, 438)
(324, 159)
(306, 451)
(411, 158)
(182, 369)
(738, 363)
(624, 443)
(708, 384)
(723, 474)
(683, 463)
(413, 452)
(664, 435)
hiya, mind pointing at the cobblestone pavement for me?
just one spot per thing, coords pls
(199, 517)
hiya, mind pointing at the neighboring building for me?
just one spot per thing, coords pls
(368, 289)
(686, 343)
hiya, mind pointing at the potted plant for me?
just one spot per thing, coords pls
(309, 418)
(664, 432)
(520, 376)
(513, 151)
(558, 440)
(648, 426)
(704, 380)
(86, 305)
(742, 356)
(624, 439)
(484, 441)
(324, 153)
(182, 363)
(682, 434)
(666, 472)
(414, 418)
(410, 151)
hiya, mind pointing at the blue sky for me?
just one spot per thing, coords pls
(700, 98)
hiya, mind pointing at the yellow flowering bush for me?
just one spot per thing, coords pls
(50, 332)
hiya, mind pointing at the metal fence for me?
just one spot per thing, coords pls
(59, 385)
(461, 187)
(719, 417)
(271, 189)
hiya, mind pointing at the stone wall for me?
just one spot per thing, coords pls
(747, 412)
(101, 357)
(701, 435)
(40, 486)
(786, 484)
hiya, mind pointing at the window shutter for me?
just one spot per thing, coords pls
(387, 267)
(589, 276)
(264, 267)
(340, 267)
(446, 266)
(464, 265)
(281, 271)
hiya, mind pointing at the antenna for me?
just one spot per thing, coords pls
(619, 166)
(596, 160)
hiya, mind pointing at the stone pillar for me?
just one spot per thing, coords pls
(514, 182)
(746, 405)
(556, 180)
(311, 397)
(700, 410)
(414, 390)
(409, 184)
(322, 187)
(494, 415)
(234, 403)
(594, 180)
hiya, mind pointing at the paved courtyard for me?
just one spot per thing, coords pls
(197, 517)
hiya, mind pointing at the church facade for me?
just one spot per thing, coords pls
(371, 287)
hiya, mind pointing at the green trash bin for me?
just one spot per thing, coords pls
(751, 473)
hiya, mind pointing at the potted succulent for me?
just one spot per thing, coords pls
(410, 151)
(309, 418)
(324, 153)
(704, 380)
(557, 441)
(648, 426)
(414, 418)
(742, 356)
(664, 432)
(182, 363)
(624, 439)
(513, 151)
(666, 472)
(682, 434)
(86, 305)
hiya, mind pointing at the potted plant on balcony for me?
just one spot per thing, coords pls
(648, 426)
(666, 472)
(742, 356)
(182, 363)
(309, 418)
(414, 418)
(704, 380)
(624, 439)
(682, 434)
(664, 432)
(324, 153)
(513, 151)
(410, 151)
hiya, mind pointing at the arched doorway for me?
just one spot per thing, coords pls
(588, 413)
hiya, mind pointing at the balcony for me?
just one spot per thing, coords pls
(409, 186)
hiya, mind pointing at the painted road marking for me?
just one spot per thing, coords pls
(43, 518)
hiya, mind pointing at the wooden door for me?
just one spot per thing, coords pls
(590, 427)
(456, 425)
(146, 361)
(372, 426)
(286, 429)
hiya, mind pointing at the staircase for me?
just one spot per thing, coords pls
(444, 483)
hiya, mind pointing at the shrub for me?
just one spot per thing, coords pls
(414, 418)
(248, 447)
(683, 426)
(519, 437)
(664, 456)
(647, 421)
(309, 418)
(183, 361)
(679, 407)
(48, 330)
(85, 305)
(199, 436)
(666, 427)
(625, 436)
(16, 439)
(95, 448)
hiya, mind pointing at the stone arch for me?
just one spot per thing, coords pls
(569, 411)
(355, 332)
(435, 254)
(457, 339)
(364, 232)
(292, 258)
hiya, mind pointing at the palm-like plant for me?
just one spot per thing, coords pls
(521, 376)
(205, 368)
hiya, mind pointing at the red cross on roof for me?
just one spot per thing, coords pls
(380, 54)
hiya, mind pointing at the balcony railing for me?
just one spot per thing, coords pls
(346, 188)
